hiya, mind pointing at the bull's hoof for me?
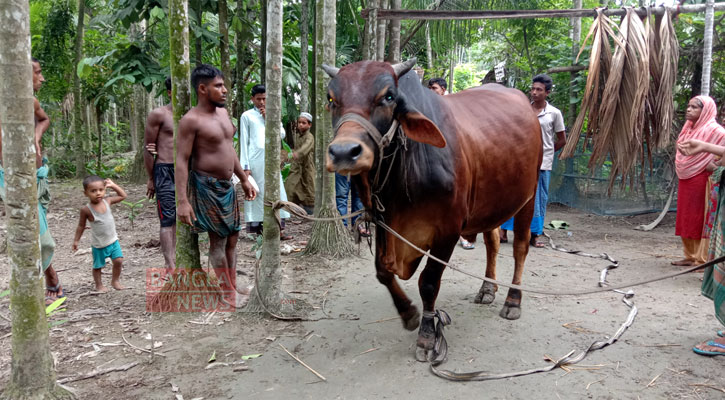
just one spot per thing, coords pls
(411, 318)
(486, 295)
(426, 334)
(510, 311)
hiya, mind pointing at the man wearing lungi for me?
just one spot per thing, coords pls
(53, 289)
(207, 200)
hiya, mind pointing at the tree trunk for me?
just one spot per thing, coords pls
(371, 27)
(99, 132)
(262, 50)
(240, 99)
(305, 56)
(382, 30)
(224, 50)
(452, 69)
(78, 130)
(197, 42)
(707, 49)
(394, 49)
(140, 110)
(328, 238)
(428, 47)
(32, 373)
(269, 277)
(187, 243)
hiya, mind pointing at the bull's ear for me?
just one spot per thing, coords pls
(419, 128)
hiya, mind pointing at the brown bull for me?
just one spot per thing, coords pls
(458, 165)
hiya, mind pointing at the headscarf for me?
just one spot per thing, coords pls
(307, 116)
(706, 129)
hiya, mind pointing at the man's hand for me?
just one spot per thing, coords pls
(690, 147)
(249, 192)
(150, 189)
(151, 148)
(263, 111)
(75, 246)
(185, 213)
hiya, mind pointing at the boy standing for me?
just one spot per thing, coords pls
(104, 240)
(300, 184)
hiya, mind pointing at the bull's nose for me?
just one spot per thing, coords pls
(344, 152)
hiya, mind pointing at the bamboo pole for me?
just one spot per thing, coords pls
(510, 14)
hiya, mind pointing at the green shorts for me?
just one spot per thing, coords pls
(112, 251)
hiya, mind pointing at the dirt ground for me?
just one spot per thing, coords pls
(360, 347)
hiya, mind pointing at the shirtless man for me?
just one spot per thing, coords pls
(205, 137)
(159, 142)
(53, 289)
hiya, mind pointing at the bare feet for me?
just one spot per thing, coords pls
(683, 263)
(101, 289)
(503, 236)
(117, 285)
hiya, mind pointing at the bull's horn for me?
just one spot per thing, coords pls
(402, 68)
(332, 71)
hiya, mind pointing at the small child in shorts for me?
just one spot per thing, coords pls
(104, 241)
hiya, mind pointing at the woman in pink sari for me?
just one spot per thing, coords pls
(693, 172)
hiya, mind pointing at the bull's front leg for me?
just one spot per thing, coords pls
(408, 313)
(429, 284)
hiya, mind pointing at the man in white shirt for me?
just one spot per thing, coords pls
(553, 137)
(251, 141)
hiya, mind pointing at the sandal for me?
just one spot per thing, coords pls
(711, 343)
(535, 243)
(467, 245)
(59, 293)
(683, 263)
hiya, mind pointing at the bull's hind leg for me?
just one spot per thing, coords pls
(522, 233)
(487, 293)
(429, 284)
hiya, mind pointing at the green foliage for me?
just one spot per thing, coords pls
(257, 246)
(52, 30)
(134, 208)
(103, 170)
(466, 76)
(53, 309)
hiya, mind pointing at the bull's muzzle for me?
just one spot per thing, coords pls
(348, 157)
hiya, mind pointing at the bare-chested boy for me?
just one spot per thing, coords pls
(53, 289)
(159, 142)
(209, 204)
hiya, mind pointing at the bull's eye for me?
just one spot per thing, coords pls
(389, 97)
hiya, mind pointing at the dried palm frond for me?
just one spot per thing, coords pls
(602, 30)
(622, 119)
(663, 107)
